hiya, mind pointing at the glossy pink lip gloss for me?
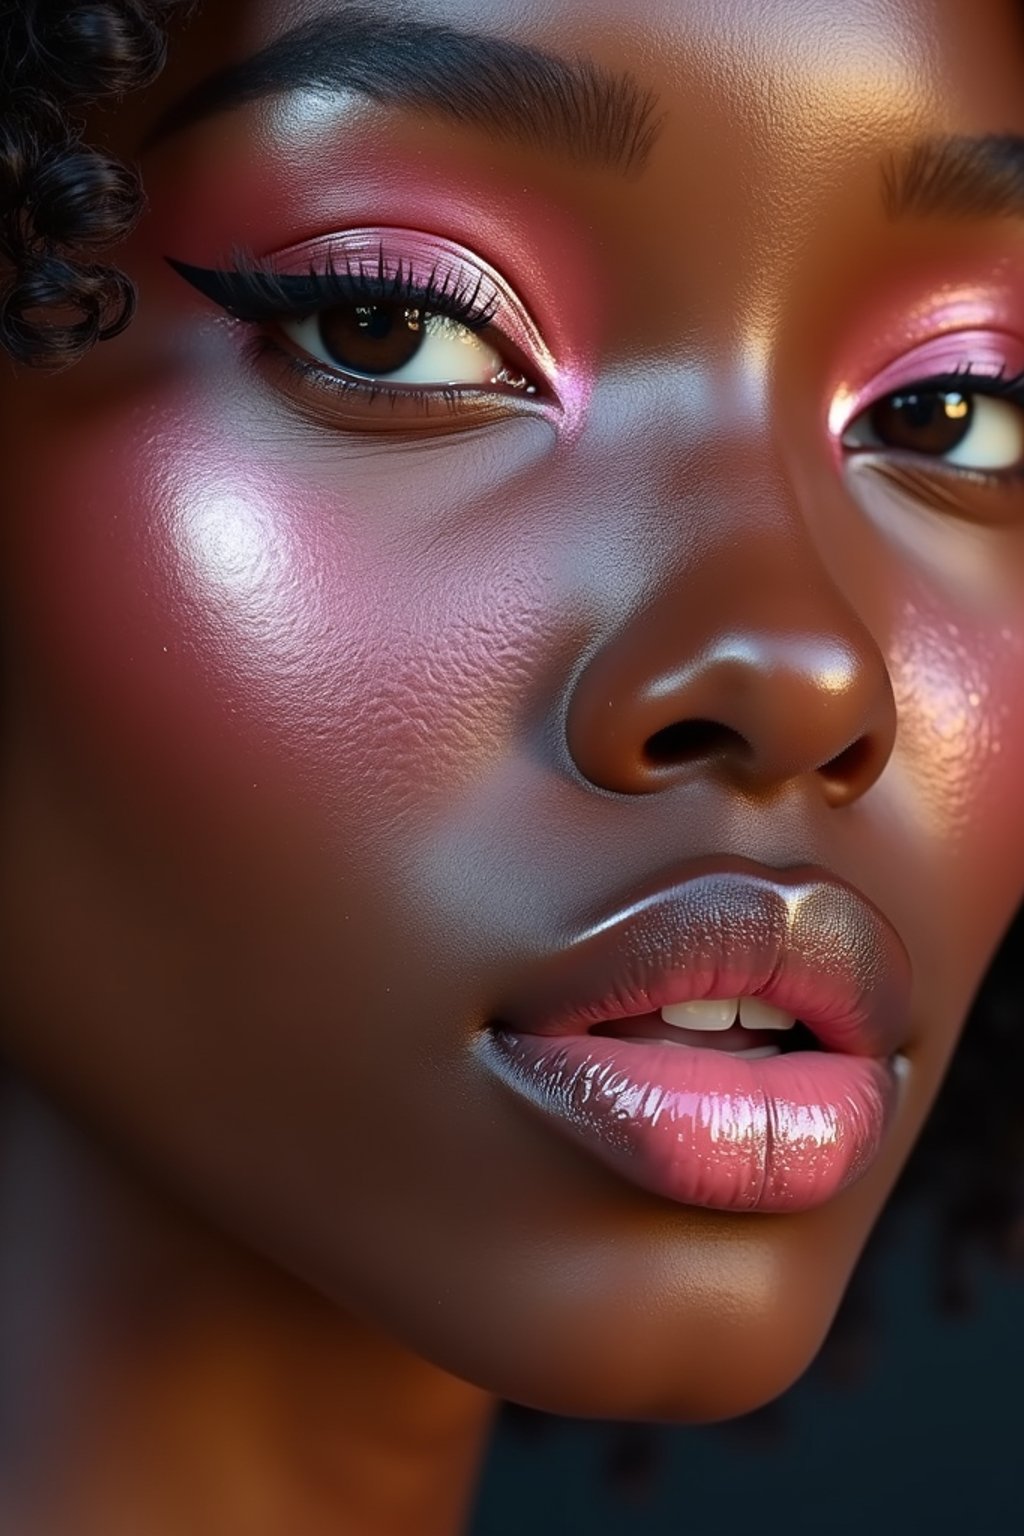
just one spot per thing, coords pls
(703, 1128)
(697, 1125)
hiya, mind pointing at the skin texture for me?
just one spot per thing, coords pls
(319, 738)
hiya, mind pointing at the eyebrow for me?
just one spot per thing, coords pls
(510, 90)
(958, 177)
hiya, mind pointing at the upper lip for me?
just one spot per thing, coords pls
(797, 938)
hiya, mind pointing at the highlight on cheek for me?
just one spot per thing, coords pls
(229, 549)
(955, 720)
(388, 316)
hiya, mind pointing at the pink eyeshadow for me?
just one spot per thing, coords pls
(424, 255)
(985, 353)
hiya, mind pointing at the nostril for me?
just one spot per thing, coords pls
(849, 773)
(848, 763)
(688, 740)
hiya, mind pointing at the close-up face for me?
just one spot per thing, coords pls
(531, 606)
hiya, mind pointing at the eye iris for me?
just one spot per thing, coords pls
(925, 421)
(374, 339)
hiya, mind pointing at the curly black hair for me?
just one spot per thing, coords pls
(62, 202)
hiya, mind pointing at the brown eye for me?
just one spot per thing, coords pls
(398, 344)
(968, 430)
(924, 421)
(372, 339)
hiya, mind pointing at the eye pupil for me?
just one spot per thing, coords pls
(374, 339)
(923, 421)
(375, 321)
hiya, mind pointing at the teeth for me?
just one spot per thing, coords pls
(757, 1015)
(711, 1013)
(758, 1052)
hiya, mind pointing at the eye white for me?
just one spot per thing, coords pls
(994, 439)
(451, 354)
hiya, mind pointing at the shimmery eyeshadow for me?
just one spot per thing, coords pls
(986, 353)
(424, 256)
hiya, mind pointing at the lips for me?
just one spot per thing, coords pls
(697, 1125)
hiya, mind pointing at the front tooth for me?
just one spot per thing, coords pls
(757, 1015)
(710, 1013)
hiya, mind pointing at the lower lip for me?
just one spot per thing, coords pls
(784, 1133)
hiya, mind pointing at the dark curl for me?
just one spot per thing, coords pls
(62, 201)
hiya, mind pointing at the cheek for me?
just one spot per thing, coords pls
(229, 633)
(961, 732)
(958, 766)
(949, 584)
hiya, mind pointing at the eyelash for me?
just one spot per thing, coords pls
(252, 292)
(996, 386)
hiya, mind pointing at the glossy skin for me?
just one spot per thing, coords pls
(317, 741)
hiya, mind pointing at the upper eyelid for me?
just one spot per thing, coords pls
(964, 381)
(967, 378)
(984, 352)
(368, 247)
(418, 249)
(261, 290)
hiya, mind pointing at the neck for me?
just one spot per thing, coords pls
(154, 1377)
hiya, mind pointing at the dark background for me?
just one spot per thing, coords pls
(930, 1438)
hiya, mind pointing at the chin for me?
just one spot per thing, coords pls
(679, 1379)
(703, 1321)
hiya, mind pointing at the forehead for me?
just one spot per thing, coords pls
(853, 50)
(783, 89)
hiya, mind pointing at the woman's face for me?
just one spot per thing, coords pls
(345, 722)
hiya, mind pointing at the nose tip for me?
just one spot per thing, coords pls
(760, 708)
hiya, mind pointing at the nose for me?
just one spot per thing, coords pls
(756, 668)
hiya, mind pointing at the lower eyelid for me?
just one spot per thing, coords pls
(323, 376)
(320, 398)
(982, 498)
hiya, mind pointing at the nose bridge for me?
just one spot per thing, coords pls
(748, 659)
